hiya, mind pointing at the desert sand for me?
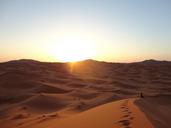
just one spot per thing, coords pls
(157, 109)
(118, 114)
(85, 94)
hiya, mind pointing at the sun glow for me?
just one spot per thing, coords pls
(73, 49)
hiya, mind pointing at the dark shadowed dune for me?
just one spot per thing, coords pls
(45, 103)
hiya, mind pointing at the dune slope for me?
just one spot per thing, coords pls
(119, 114)
(157, 109)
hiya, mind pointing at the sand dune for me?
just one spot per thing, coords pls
(157, 109)
(119, 114)
(44, 103)
(38, 94)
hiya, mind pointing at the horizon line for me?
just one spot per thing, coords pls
(28, 59)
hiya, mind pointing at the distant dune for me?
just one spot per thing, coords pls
(37, 94)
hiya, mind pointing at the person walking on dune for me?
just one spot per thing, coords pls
(141, 95)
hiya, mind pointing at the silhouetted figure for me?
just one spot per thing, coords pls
(141, 95)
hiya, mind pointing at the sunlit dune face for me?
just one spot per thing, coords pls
(72, 50)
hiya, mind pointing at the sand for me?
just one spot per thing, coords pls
(119, 114)
(88, 94)
(157, 109)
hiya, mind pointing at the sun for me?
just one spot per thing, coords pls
(73, 49)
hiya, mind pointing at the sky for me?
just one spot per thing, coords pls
(70, 30)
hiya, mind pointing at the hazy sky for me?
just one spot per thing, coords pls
(109, 30)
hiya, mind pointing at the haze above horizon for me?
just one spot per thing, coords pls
(73, 30)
